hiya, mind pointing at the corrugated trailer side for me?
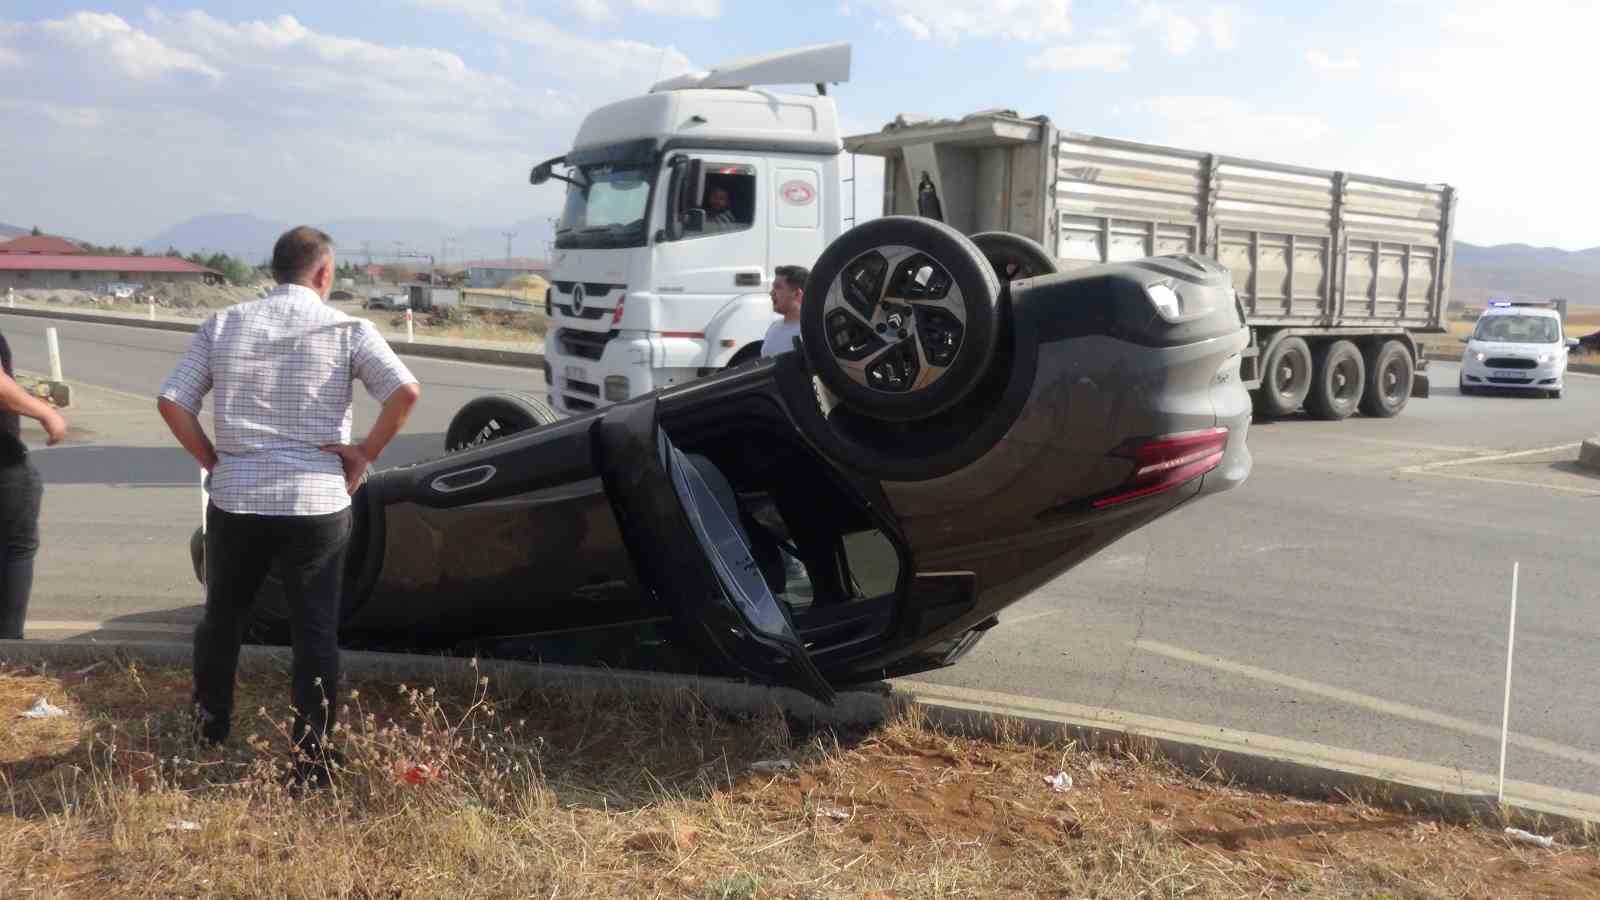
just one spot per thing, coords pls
(1335, 271)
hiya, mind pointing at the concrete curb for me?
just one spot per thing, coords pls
(1589, 454)
(489, 355)
(1235, 757)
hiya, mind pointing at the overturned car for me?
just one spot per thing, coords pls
(862, 508)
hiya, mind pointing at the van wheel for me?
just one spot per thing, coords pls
(1338, 381)
(495, 416)
(1285, 378)
(1389, 375)
(903, 319)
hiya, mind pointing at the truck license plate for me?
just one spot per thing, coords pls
(577, 373)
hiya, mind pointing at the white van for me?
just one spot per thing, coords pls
(1516, 347)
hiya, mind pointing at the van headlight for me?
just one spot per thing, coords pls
(1544, 358)
(1480, 357)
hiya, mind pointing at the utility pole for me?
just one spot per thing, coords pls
(509, 235)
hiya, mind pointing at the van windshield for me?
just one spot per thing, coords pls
(606, 207)
(1518, 329)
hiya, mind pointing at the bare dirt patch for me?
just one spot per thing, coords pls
(457, 790)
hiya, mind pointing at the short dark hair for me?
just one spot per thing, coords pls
(298, 251)
(797, 276)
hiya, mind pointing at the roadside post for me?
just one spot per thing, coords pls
(410, 333)
(1505, 713)
(152, 299)
(205, 498)
(54, 344)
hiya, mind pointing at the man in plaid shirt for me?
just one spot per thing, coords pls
(282, 470)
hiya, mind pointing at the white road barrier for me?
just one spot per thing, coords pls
(54, 343)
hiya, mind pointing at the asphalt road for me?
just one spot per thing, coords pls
(1354, 592)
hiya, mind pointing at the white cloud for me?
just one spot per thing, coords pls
(592, 10)
(1234, 126)
(598, 66)
(1106, 57)
(10, 59)
(111, 38)
(1182, 31)
(57, 113)
(694, 9)
(1320, 59)
(1222, 24)
(951, 21)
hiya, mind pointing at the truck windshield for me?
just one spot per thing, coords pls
(1517, 329)
(606, 208)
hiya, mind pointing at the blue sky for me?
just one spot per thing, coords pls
(123, 118)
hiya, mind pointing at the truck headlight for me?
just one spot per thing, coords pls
(616, 387)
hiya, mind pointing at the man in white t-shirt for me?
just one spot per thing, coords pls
(788, 289)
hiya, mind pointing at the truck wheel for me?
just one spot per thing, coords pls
(1338, 380)
(1014, 257)
(1285, 377)
(495, 416)
(903, 320)
(1389, 375)
(747, 353)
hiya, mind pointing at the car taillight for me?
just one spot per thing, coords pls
(1163, 463)
(616, 317)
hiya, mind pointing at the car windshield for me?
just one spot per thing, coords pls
(1517, 329)
(606, 207)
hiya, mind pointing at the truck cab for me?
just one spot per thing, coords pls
(679, 205)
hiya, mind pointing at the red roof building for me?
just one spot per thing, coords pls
(39, 244)
(82, 271)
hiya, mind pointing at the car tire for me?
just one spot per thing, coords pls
(494, 416)
(902, 318)
(1464, 390)
(1285, 377)
(1338, 381)
(1005, 250)
(1390, 372)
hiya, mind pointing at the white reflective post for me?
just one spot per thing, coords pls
(152, 300)
(205, 500)
(411, 335)
(54, 344)
(1505, 713)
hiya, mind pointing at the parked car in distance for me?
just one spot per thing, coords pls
(341, 295)
(1516, 347)
(389, 301)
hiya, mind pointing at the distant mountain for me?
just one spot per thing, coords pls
(7, 232)
(1520, 271)
(250, 237)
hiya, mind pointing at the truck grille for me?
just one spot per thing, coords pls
(589, 312)
(583, 387)
(584, 344)
(590, 288)
(1509, 362)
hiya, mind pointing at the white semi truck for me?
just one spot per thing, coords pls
(680, 203)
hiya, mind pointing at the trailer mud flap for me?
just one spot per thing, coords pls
(1419, 385)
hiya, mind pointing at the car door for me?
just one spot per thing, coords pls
(692, 554)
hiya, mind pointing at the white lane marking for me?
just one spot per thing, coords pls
(1493, 457)
(1407, 445)
(1365, 701)
(138, 627)
(1032, 616)
(1583, 492)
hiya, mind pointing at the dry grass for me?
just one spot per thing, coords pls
(608, 795)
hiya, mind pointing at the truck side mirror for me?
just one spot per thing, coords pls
(674, 229)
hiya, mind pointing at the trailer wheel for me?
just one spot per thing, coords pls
(903, 318)
(1285, 377)
(1014, 257)
(1389, 374)
(495, 416)
(1338, 380)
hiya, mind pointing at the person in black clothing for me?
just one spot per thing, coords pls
(21, 490)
